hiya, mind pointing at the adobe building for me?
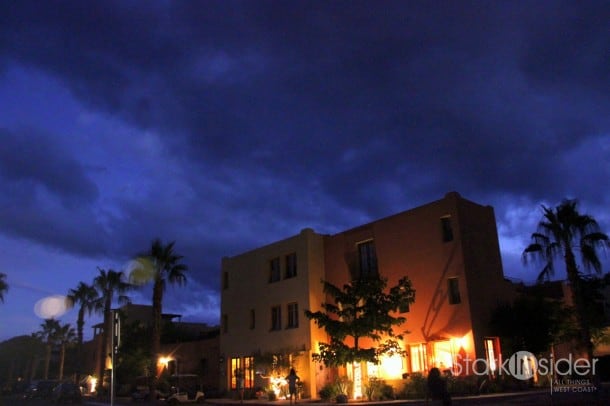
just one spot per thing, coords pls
(448, 248)
(263, 295)
(194, 351)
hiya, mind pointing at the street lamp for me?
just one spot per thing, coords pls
(164, 361)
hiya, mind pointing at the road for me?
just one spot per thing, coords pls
(534, 398)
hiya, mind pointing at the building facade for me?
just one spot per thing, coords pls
(448, 248)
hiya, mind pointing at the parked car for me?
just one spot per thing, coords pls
(186, 397)
(186, 388)
(141, 394)
(67, 393)
(41, 389)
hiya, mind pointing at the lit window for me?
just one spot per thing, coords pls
(453, 291)
(418, 358)
(447, 229)
(274, 270)
(492, 345)
(276, 318)
(291, 265)
(368, 259)
(242, 369)
(293, 315)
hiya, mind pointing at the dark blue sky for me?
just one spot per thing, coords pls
(225, 125)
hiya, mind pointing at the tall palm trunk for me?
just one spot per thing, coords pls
(62, 358)
(80, 323)
(105, 334)
(156, 332)
(577, 299)
(47, 361)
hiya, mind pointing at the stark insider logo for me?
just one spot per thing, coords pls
(523, 365)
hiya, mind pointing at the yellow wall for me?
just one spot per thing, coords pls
(408, 243)
(249, 289)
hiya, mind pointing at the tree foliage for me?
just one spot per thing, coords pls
(167, 268)
(86, 298)
(561, 233)
(362, 309)
(3, 286)
(531, 323)
(109, 283)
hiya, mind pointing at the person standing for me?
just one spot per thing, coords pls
(437, 389)
(292, 379)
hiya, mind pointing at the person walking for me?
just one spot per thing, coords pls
(292, 379)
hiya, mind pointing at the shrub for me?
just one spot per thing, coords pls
(343, 385)
(415, 387)
(387, 392)
(341, 398)
(327, 392)
(372, 388)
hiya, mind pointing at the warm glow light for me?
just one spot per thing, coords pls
(443, 355)
(462, 342)
(276, 385)
(391, 366)
(357, 381)
(93, 383)
(164, 361)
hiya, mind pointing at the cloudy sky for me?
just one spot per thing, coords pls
(226, 125)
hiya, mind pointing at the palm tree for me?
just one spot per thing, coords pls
(47, 335)
(107, 284)
(561, 232)
(63, 336)
(167, 268)
(3, 286)
(87, 297)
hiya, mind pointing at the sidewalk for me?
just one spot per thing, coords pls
(531, 397)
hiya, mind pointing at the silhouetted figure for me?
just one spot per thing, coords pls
(292, 379)
(437, 389)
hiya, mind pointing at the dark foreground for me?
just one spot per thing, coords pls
(537, 397)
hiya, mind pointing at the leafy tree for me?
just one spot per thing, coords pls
(562, 231)
(361, 309)
(64, 335)
(3, 286)
(86, 297)
(166, 268)
(18, 358)
(134, 357)
(47, 335)
(531, 323)
(108, 283)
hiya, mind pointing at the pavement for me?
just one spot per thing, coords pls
(565, 396)
(537, 397)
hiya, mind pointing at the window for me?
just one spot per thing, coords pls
(225, 323)
(252, 319)
(446, 227)
(291, 265)
(225, 280)
(418, 358)
(492, 350)
(293, 315)
(453, 291)
(368, 259)
(276, 318)
(274, 270)
(242, 369)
